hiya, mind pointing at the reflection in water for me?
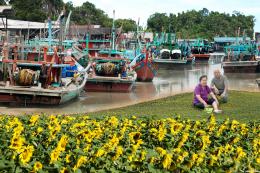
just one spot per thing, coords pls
(168, 82)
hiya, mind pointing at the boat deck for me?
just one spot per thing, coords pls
(241, 63)
(36, 90)
(111, 79)
(170, 61)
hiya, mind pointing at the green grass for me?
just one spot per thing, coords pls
(242, 106)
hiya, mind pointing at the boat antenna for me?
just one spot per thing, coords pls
(113, 31)
(49, 32)
(137, 30)
(170, 38)
(67, 24)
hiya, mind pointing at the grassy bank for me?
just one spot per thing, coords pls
(243, 106)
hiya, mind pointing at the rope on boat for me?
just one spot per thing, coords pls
(26, 77)
(107, 68)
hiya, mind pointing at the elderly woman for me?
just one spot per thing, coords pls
(201, 96)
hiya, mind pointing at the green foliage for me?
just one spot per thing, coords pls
(158, 22)
(202, 23)
(127, 24)
(89, 14)
(28, 10)
(2, 2)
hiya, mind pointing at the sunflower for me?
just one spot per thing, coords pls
(62, 143)
(64, 170)
(100, 153)
(161, 151)
(54, 156)
(167, 161)
(17, 143)
(37, 166)
(80, 161)
(33, 119)
(119, 152)
(26, 155)
(67, 158)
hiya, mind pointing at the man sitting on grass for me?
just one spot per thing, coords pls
(201, 96)
(219, 86)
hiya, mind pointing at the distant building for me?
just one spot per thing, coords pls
(24, 28)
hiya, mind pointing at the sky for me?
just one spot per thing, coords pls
(142, 9)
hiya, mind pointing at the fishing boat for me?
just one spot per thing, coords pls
(241, 58)
(110, 75)
(35, 75)
(110, 72)
(258, 51)
(39, 82)
(201, 50)
(173, 54)
(144, 68)
(140, 55)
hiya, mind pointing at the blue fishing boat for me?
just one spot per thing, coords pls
(241, 57)
(172, 54)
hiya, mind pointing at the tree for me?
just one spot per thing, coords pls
(53, 7)
(158, 22)
(28, 10)
(127, 24)
(89, 14)
(202, 23)
(2, 2)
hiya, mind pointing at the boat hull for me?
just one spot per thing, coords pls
(36, 96)
(241, 67)
(29, 99)
(145, 71)
(107, 85)
(172, 63)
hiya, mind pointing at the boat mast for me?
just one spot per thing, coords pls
(67, 25)
(113, 31)
(49, 33)
(87, 42)
(170, 38)
(137, 30)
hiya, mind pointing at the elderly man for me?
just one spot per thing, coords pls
(219, 85)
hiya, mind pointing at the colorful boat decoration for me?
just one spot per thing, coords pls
(144, 68)
(241, 58)
(201, 50)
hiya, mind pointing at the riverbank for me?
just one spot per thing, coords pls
(243, 106)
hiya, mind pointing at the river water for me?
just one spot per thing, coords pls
(168, 82)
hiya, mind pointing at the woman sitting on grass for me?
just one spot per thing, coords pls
(201, 94)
